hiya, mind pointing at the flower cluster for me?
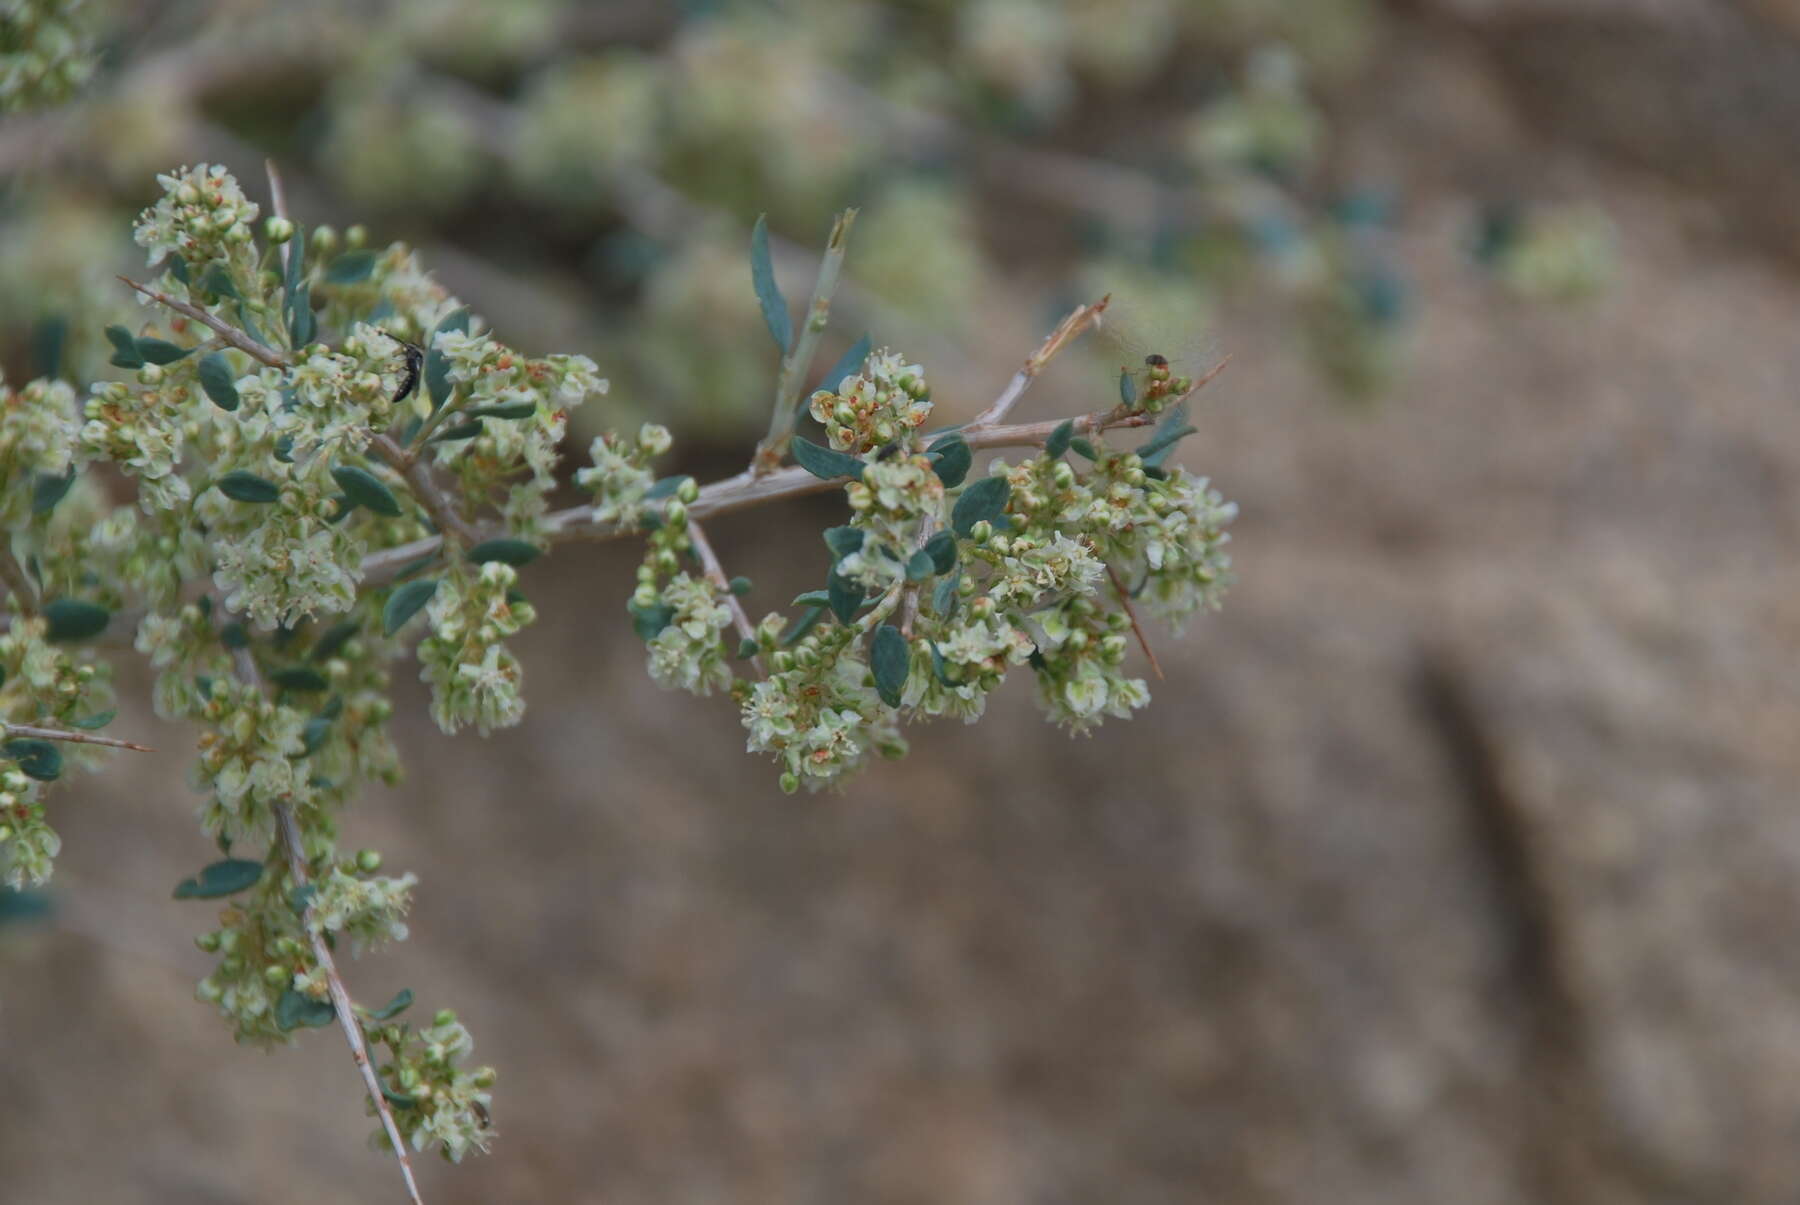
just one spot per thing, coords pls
(821, 717)
(37, 441)
(620, 478)
(435, 1100)
(368, 908)
(474, 677)
(887, 399)
(201, 217)
(263, 957)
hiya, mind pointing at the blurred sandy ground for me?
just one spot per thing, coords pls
(1458, 859)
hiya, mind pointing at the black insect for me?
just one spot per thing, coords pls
(1155, 361)
(415, 360)
(891, 448)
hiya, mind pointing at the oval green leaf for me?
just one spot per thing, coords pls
(768, 293)
(227, 877)
(826, 463)
(41, 760)
(951, 459)
(75, 619)
(217, 380)
(984, 500)
(365, 489)
(405, 602)
(890, 658)
(294, 1011)
(507, 551)
(241, 485)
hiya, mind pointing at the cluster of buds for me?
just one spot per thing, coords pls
(884, 402)
(620, 478)
(474, 677)
(434, 1099)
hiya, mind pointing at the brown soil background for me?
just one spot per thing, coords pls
(1457, 860)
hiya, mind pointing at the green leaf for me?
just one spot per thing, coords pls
(849, 364)
(468, 430)
(807, 623)
(813, 598)
(295, 1010)
(942, 548)
(951, 458)
(48, 339)
(1172, 430)
(943, 598)
(95, 722)
(216, 281)
(844, 595)
(1127, 388)
(350, 268)
(301, 898)
(938, 666)
(986, 499)
(296, 268)
(234, 636)
(365, 489)
(919, 566)
(302, 324)
(74, 619)
(768, 293)
(437, 364)
(49, 491)
(507, 551)
(333, 640)
(405, 602)
(125, 352)
(41, 760)
(299, 677)
(826, 463)
(1082, 446)
(400, 1003)
(1059, 440)
(890, 658)
(217, 380)
(227, 877)
(664, 487)
(648, 622)
(284, 449)
(241, 485)
(161, 351)
(503, 410)
(314, 735)
(747, 649)
(843, 541)
(739, 585)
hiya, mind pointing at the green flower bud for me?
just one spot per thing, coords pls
(324, 239)
(676, 513)
(209, 990)
(277, 976)
(982, 532)
(149, 374)
(444, 1016)
(368, 860)
(1063, 474)
(790, 781)
(356, 236)
(688, 491)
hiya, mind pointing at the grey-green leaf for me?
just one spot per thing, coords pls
(400, 1003)
(1059, 440)
(95, 722)
(507, 551)
(849, 364)
(365, 489)
(49, 490)
(1127, 388)
(918, 566)
(768, 293)
(299, 677)
(41, 760)
(942, 550)
(72, 619)
(1085, 448)
(405, 602)
(350, 268)
(984, 500)
(844, 595)
(826, 463)
(890, 659)
(125, 352)
(241, 485)
(227, 877)
(503, 410)
(843, 541)
(295, 1010)
(217, 379)
(333, 640)
(161, 351)
(951, 458)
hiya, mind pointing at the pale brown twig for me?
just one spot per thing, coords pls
(1069, 329)
(25, 599)
(715, 573)
(1131, 614)
(63, 734)
(225, 331)
(418, 475)
(341, 1003)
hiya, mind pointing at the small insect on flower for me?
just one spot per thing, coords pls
(890, 448)
(415, 361)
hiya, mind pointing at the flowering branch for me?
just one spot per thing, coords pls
(1066, 332)
(225, 331)
(418, 475)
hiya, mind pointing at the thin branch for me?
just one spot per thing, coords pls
(715, 573)
(78, 738)
(25, 599)
(278, 203)
(341, 1003)
(418, 475)
(225, 331)
(740, 492)
(795, 364)
(1131, 614)
(1066, 332)
(909, 602)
